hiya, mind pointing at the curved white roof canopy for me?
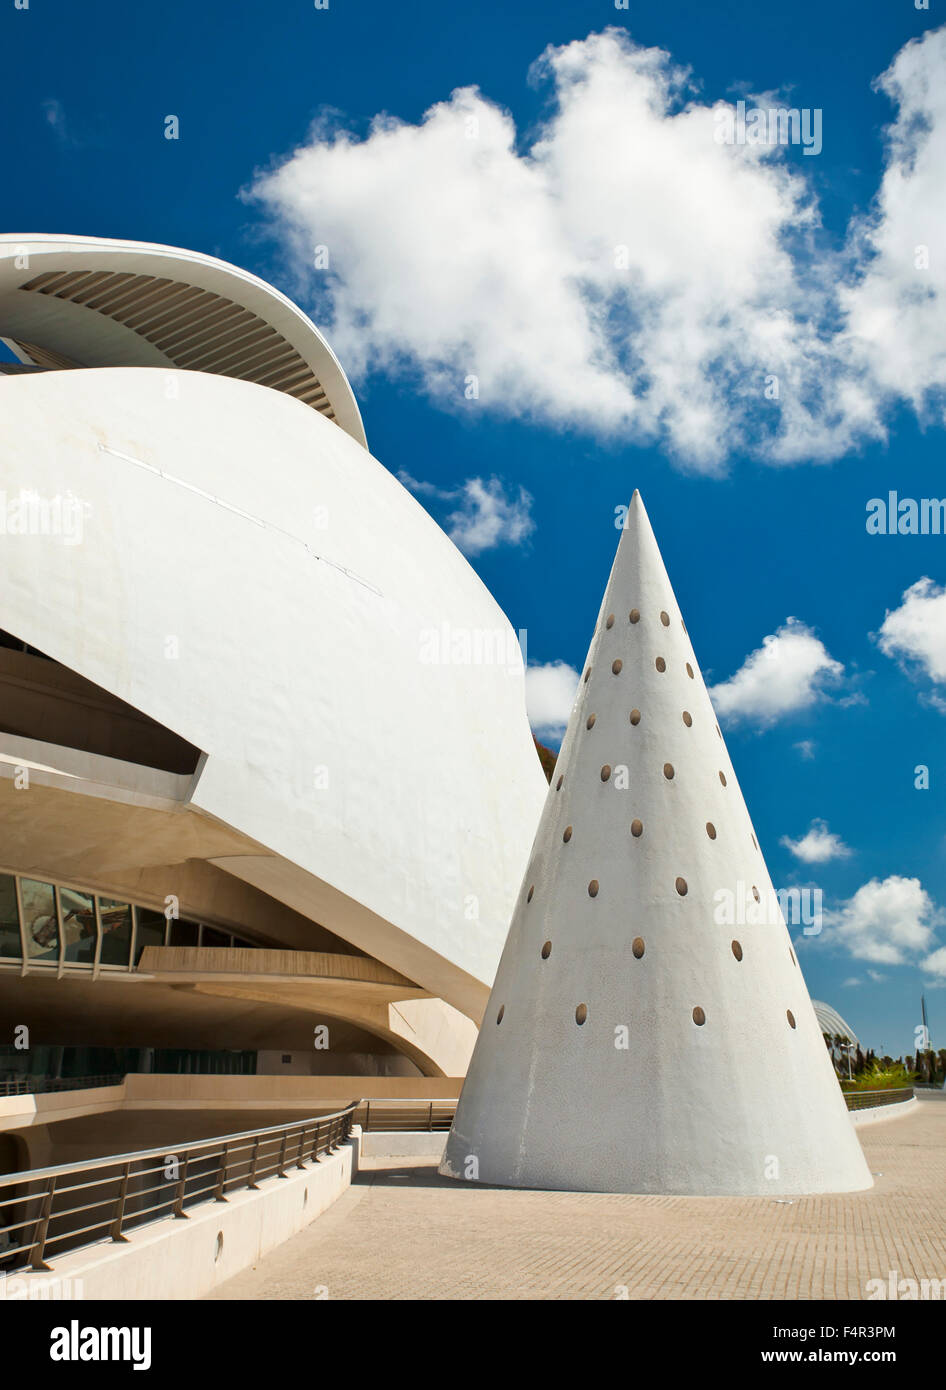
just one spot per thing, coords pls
(89, 302)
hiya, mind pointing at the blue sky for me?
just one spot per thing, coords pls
(759, 522)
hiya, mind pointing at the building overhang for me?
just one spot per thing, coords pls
(89, 302)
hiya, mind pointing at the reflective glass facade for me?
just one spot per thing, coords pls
(60, 926)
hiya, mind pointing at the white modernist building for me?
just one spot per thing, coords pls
(244, 787)
(639, 1036)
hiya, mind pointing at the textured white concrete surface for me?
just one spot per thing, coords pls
(632, 1042)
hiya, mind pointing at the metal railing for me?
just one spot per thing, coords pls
(45, 1212)
(866, 1100)
(406, 1114)
(36, 1085)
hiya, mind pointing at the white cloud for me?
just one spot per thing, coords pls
(889, 922)
(550, 694)
(484, 517)
(818, 846)
(786, 674)
(896, 308)
(935, 964)
(916, 631)
(806, 748)
(584, 287)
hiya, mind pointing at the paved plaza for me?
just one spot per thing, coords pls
(403, 1232)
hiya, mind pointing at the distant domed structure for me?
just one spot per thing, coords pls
(831, 1022)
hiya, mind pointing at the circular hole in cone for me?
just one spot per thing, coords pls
(634, 616)
(617, 666)
(638, 947)
(558, 784)
(791, 1018)
(722, 778)
(699, 1017)
(665, 618)
(610, 622)
(688, 718)
(690, 671)
(681, 887)
(581, 1013)
(637, 828)
(531, 891)
(502, 1010)
(606, 772)
(593, 888)
(660, 664)
(755, 894)
(546, 950)
(587, 674)
(590, 721)
(568, 834)
(737, 950)
(668, 771)
(711, 830)
(635, 716)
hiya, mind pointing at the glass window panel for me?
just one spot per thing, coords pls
(78, 925)
(212, 937)
(9, 921)
(116, 931)
(184, 933)
(39, 919)
(151, 925)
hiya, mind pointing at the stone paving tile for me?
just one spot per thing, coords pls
(403, 1232)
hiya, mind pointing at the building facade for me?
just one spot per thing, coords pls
(244, 796)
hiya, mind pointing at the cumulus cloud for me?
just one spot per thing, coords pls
(584, 287)
(806, 748)
(484, 516)
(550, 694)
(896, 307)
(935, 963)
(915, 633)
(786, 674)
(888, 922)
(818, 846)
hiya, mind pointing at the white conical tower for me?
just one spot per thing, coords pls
(636, 1041)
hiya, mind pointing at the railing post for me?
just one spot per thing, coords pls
(222, 1175)
(282, 1157)
(315, 1149)
(300, 1161)
(430, 1117)
(116, 1228)
(252, 1183)
(42, 1226)
(179, 1212)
